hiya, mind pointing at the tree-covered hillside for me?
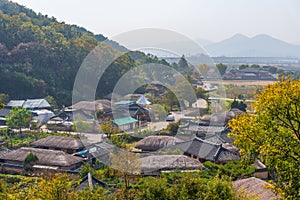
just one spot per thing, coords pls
(40, 56)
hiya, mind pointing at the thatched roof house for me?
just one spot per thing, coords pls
(153, 165)
(47, 159)
(201, 129)
(66, 144)
(255, 188)
(154, 143)
(92, 106)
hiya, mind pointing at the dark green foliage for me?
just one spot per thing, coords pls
(29, 162)
(273, 70)
(85, 169)
(19, 118)
(239, 105)
(173, 127)
(254, 66)
(40, 56)
(234, 169)
(243, 66)
(182, 62)
(182, 186)
(222, 68)
(201, 93)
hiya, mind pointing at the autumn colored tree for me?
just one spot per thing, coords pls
(108, 128)
(19, 118)
(127, 163)
(272, 134)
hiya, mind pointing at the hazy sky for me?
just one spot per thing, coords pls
(210, 19)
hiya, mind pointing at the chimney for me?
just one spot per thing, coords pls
(90, 181)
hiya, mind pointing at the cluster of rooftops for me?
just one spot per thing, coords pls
(202, 141)
(42, 112)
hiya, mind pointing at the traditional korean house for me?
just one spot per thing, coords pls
(254, 188)
(53, 160)
(40, 109)
(125, 123)
(207, 151)
(154, 142)
(155, 164)
(66, 144)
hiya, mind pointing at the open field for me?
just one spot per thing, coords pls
(243, 82)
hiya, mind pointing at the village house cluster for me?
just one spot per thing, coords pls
(195, 143)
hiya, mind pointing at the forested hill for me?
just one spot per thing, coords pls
(40, 56)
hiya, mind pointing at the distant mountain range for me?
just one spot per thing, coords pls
(259, 46)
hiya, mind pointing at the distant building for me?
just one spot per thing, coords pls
(40, 109)
(126, 123)
(248, 74)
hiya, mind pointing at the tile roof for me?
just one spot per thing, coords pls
(16, 103)
(36, 103)
(206, 150)
(5, 112)
(124, 120)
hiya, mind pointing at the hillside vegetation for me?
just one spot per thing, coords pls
(40, 56)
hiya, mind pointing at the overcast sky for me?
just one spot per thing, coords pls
(214, 20)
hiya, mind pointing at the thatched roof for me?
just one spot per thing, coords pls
(254, 187)
(169, 162)
(59, 142)
(45, 156)
(153, 143)
(101, 104)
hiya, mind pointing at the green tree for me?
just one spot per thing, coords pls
(273, 70)
(85, 169)
(1, 104)
(201, 93)
(239, 105)
(171, 99)
(19, 118)
(51, 101)
(153, 189)
(254, 66)
(182, 63)
(81, 126)
(273, 134)
(222, 68)
(173, 127)
(108, 128)
(29, 161)
(243, 66)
